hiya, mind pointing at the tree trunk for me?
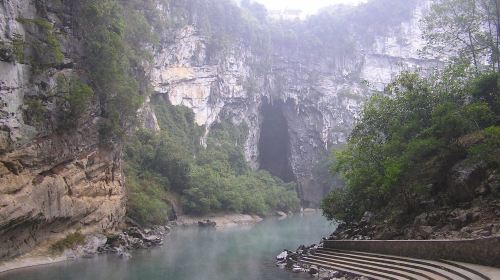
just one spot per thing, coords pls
(497, 14)
(473, 50)
(471, 40)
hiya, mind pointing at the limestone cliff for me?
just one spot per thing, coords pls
(319, 98)
(52, 181)
(55, 180)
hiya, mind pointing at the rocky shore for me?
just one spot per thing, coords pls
(218, 221)
(291, 260)
(123, 242)
(132, 238)
(479, 218)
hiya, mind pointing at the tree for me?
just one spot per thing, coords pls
(408, 139)
(467, 29)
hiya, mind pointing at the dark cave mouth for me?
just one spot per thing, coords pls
(274, 142)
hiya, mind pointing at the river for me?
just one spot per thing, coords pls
(238, 253)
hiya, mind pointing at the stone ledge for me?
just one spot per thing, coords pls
(485, 251)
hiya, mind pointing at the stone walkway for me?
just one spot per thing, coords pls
(378, 266)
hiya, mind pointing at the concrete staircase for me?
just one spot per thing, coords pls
(377, 266)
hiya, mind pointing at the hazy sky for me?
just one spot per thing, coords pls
(308, 6)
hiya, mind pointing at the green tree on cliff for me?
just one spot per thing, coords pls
(408, 139)
(469, 29)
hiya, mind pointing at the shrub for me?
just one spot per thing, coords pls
(408, 140)
(35, 112)
(18, 46)
(47, 50)
(212, 179)
(147, 198)
(69, 242)
(76, 97)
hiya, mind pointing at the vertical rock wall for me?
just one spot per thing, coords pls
(321, 99)
(51, 181)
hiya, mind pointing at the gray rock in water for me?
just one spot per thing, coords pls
(135, 232)
(281, 214)
(313, 270)
(282, 256)
(297, 269)
(207, 223)
(92, 245)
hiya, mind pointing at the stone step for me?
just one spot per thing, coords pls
(449, 270)
(369, 267)
(428, 274)
(439, 270)
(354, 270)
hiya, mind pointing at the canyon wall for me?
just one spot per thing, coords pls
(52, 181)
(319, 98)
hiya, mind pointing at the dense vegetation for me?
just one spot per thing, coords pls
(115, 35)
(69, 242)
(409, 138)
(335, 32)
(468, 30)
(172, 167)
(46, 49)
(116, 39)
(406, 140)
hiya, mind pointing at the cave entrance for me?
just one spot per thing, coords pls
(274, 143)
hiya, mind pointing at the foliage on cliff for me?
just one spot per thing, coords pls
(172, 163)
(335, 31)
(222, 181)
(115, 36)
(69, 242)
(408, 139)
(46, 48)
(469, 30)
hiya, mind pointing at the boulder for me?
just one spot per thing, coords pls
(153, 239)
(464, 177)
(281, 214)
(282, 256)
(207, 223)
(313, 270)
(425, 231)
(367, 218)
(135, 232)
(297, 269)
(92, 245)
(483, 190)
(281, 265)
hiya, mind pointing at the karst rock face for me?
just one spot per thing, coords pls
(52, 182)
(318, 98)
(55, 181)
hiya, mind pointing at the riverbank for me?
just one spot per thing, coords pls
(475, 221)
(219, 221)
(120, 242)
(29, 260)
(190, 252)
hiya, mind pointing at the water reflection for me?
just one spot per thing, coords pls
(242, 253)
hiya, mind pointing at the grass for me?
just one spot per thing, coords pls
(69, 242)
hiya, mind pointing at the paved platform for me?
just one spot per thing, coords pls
(380, 266)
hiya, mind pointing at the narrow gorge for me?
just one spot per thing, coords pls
(286, 101)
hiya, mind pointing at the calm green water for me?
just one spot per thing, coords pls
(242, 253)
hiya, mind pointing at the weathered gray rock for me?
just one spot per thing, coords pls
(319, 98)
(92, 244)
(50, 182)
(465, 177)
